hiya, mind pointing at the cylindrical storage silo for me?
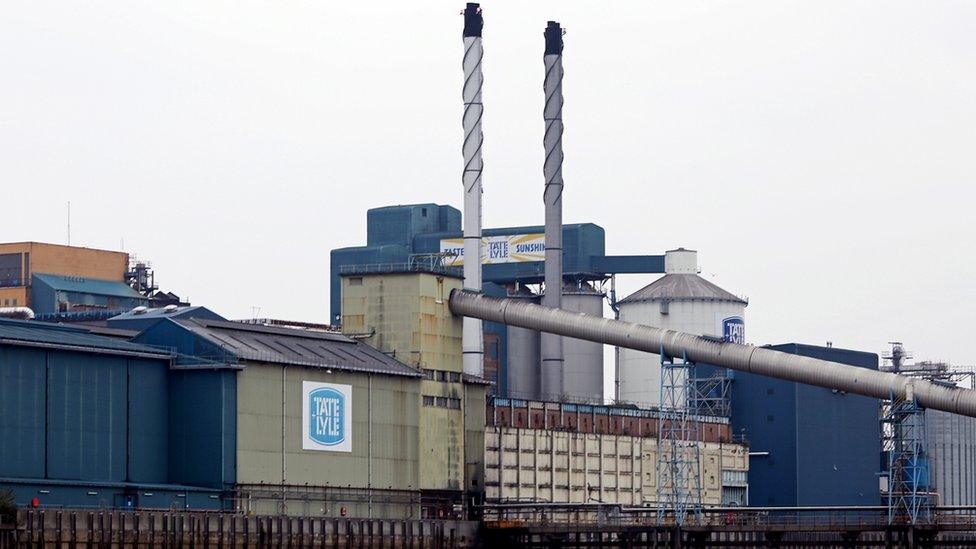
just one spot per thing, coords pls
(582, 360)
(523, 355)
(951, 448)
(682, 301)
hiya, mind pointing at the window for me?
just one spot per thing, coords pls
(442, 402)
(355, 281)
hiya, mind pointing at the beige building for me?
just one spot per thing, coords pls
(404, 313)
(19, 260)
(569, 453)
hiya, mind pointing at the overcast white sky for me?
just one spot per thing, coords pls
(819, 155)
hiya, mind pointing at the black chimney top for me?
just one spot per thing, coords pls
(472, 20)
(554, 39)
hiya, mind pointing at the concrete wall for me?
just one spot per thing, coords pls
(70, 260)
(566, 467)
(409, 314)
(13, 297)
(385, 433)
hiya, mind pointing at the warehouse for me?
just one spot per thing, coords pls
(319, 424)
(85, 422)
(576, 453)
(401, 309)
(810, 445)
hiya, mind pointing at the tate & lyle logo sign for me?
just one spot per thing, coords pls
(515, 248)
(326, 417)
(734, 329)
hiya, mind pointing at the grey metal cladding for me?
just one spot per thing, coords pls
(681, 287)
(298, 347)
(32, 333)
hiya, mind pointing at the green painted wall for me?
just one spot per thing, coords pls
(270, 452)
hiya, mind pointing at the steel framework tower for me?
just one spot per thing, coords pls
(679, 441)
(903, 441)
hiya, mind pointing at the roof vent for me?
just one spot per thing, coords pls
(169, 309)
(140, 310)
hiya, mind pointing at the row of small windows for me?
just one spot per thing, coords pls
(10, 302)
(442, 402)
(441, 375)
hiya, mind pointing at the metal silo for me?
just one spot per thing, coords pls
(523, 355)
(951, 448)
(682, 301)
(583, 360)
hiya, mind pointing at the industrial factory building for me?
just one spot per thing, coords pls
(809, 445)
(92, 421)
(552, 452)
(319, 424)
(51, 279)
(512, 266)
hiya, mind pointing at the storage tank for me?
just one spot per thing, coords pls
(951, 448)
(583, 360)
(523, 354)
(680, 300)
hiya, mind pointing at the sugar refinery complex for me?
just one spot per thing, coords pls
(446, 389)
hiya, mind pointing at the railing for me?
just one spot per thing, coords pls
(796, 518)
(390, 268)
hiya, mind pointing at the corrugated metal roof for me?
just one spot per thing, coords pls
(33, 333)
(86, 285)
(162, 312)
(294, 346)
(681, 287)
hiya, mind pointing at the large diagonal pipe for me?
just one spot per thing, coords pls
(745, 358)
(472, 340)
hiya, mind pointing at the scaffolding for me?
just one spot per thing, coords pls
(903, 441)
(679, 440)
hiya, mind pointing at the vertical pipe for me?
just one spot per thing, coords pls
(551, 344)
(472, 340)
(369, 443)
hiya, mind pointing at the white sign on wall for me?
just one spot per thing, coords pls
(515, 248)
(326, 417)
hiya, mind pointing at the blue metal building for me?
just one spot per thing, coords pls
(808, 445)
(92, 421)
(395, 234)
(51, 293)
(141, 319)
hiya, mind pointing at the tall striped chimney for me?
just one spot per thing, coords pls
(472, 340)
(551, 344)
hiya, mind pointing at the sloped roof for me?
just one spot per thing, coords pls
(33, 334)
(681, 287)
(162, 312)
(86, 285)
(293, 346)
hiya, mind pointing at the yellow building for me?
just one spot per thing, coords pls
(20, 260)
(405, 314)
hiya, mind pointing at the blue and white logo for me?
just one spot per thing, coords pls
(326, 417)
(326, 408)
(734, 329)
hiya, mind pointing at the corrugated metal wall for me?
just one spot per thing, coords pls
(952, 456)
(82, 416)
(812, 446)
(203, 440)
(22, 413)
